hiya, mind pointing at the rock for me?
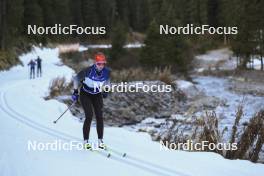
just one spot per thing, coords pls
(123, 108)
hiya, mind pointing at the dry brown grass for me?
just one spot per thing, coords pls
(58, 86)
(7, 59)
(239, 114)
(210, 130)
(136, 74)
(252, 139)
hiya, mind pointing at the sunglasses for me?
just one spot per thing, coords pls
(100, 64)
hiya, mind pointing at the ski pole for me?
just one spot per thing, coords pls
(64, 112)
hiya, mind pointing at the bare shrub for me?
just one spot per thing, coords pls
(57, 86)
(135, 74)
(239, 113)
(210, 130)
(164, 75)
(251, 141)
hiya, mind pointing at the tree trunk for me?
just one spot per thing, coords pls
(2, 23)
(225, 40)
(261, 61)
(244, 61)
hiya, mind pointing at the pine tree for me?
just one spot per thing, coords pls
(11, 26)
(62, 11)
(76, 14)
(165, 50)
(32, 16)
(3, 25)
(118, 39)
(213, 9)
(151, 54)
(89, 12)
(248, 22)
(32, 13)
(138, 14)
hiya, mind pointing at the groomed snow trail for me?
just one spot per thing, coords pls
(25, 116)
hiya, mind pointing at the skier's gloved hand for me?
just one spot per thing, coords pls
(75, 95)
(104, 94)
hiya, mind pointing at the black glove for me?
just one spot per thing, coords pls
(104, 94)
(75, 95)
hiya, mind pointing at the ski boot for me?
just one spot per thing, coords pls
(101, 144)
(87, 145)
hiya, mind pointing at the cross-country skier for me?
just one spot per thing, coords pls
(39, 69)
(32, 68)
(91, 97)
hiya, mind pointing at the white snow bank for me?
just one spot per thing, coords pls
(182, 84)
(222, 59)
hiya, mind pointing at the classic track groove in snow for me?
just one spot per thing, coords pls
(133, 161)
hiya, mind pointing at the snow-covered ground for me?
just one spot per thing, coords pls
(130, 45)
(77, 47)
(26, 116)
(218, 87)
(216, 59)
(222, 59)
